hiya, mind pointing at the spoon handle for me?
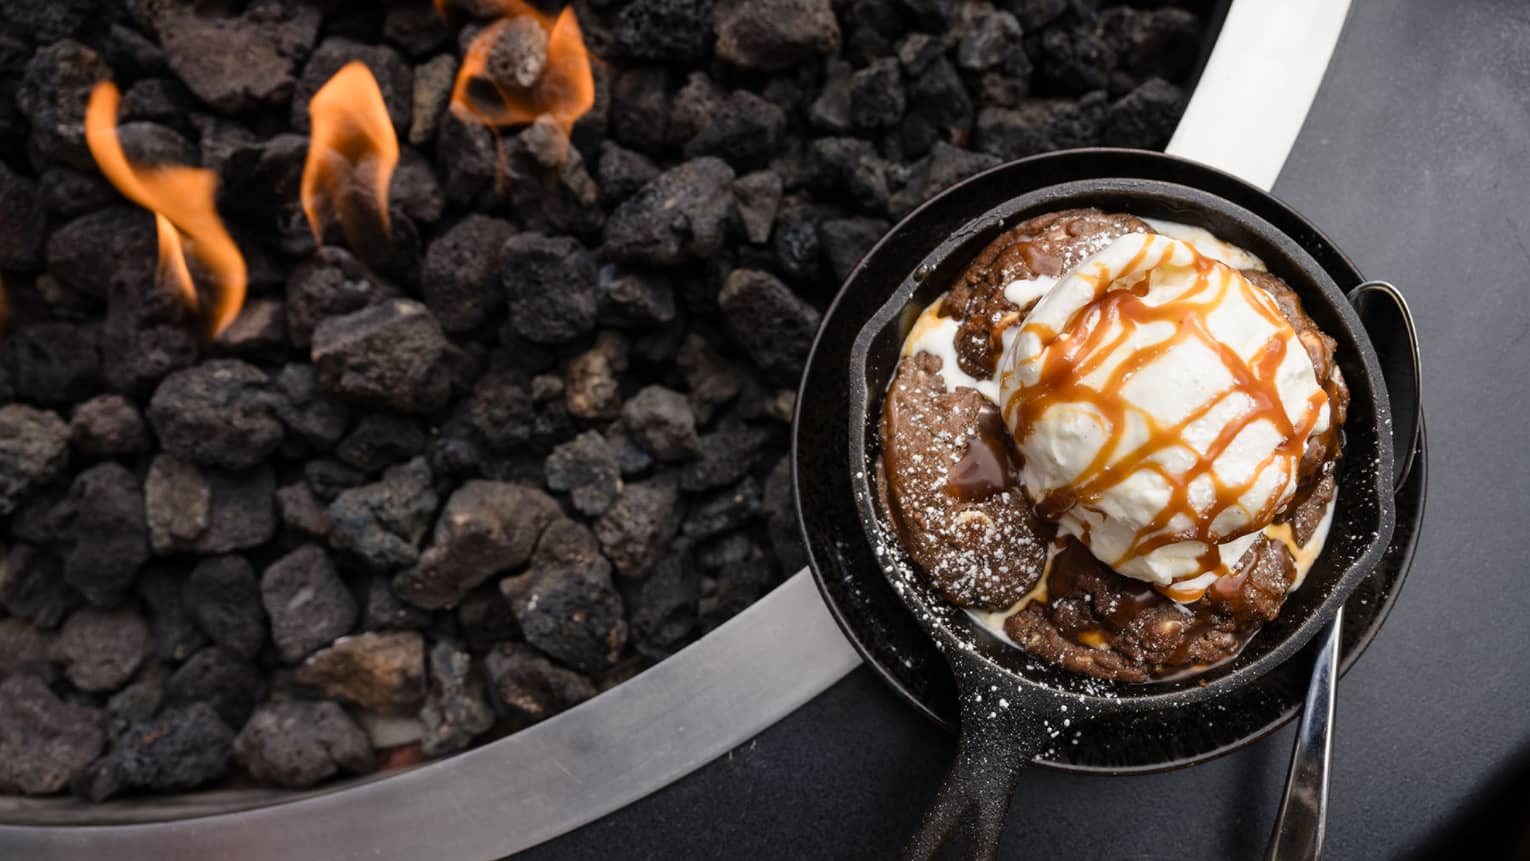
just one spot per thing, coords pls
(1303, 816)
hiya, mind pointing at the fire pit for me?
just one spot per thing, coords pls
(378, 381)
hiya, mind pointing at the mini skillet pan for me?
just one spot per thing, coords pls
(1014, 707)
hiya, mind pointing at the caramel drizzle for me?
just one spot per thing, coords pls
(1069, 357)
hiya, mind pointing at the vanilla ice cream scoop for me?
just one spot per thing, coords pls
(1161, 404)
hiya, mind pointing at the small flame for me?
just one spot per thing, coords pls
(172, 269)
(183, 200)
(564, 91)
(351, 154)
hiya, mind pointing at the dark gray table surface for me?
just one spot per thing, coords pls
(1416, 159)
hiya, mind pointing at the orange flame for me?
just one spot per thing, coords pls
(183, 200)
(565, 91)
(352, 153)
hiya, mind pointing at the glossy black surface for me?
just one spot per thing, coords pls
(1414, 159)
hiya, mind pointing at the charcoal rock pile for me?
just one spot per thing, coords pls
(431, 488)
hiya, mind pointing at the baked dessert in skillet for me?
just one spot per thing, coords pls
(1114, 442)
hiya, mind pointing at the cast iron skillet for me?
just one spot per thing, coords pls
(1014, 707)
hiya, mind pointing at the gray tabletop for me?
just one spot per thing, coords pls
(1416, 159)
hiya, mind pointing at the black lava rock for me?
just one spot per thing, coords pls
(379, 525)
(1040, 125)
(219, 413)
(775, 34)
(1145, 118)
(588, 469)
(664, 608)
(622, 172)
(499, 409)
(312, 416)
(101, 649)
(385, 611)
(455, 711)
(32, 589)
(44, 741)
(176, 633)
(758, 195)
(298, 743)
(727, 454)
(34, 450)
(636, 530)
(593, 387)
(304, 516)
(531, 687)
(550, 285)
(192, 509)
(668, 30)
(52, 96)
(738, 584)
(1152, 43)
(307, 602)
(228, 683)
(849, 166)
(877, 98)
(640, 108)
(380, 440)
(630, 299)
(774, 326)
(108, 426)
(711, 379)
(798, 252)
(223, 596)
(660, 421)
(939, 109)
(105, 252)
(723, 510)
(681, 215)
(382, 671)
(259, 332)
(180, 749)
(565, 603)
(781, 518)
(846, 241)
(111, 536)
(22, 221)
(487, 527)
(391, 355)
(328, 284)
(744, 129)
(1074, 61)
(51, 363)
(462, 267)
(239, 64)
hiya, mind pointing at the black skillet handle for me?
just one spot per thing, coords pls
(997, 740)
(1389, 323)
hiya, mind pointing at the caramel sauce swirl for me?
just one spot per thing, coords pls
(1070, 367)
